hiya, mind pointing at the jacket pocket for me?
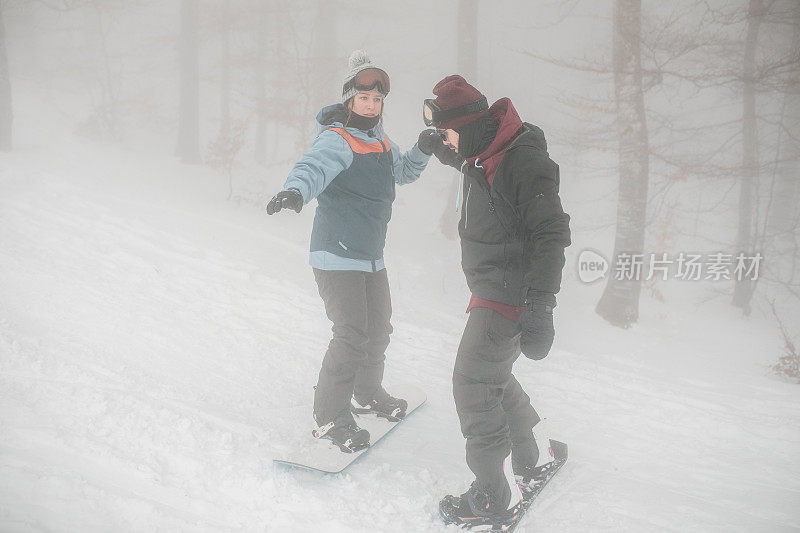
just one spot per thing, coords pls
(501, 331)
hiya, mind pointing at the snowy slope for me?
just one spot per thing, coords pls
(152, 337)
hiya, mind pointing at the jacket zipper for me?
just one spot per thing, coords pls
(385, 150)
(382, 146)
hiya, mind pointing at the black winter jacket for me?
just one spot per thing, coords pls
(514, 231)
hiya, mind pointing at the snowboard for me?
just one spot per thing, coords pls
(560, 453)
(322, 455)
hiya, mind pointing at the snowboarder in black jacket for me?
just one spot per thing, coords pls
(513, 233)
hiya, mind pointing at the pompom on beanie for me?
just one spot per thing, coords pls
(359, 60)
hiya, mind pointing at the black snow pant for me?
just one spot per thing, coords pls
(495, 413)
(359, 305)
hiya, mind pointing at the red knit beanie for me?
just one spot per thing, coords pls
(454, 91)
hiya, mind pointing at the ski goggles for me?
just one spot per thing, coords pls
(433, 115)
(369, 79)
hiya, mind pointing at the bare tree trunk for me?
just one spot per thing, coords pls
(189, 121)
(783, 218)
(6, 114)
(620, 301)
(326, 67)
(468, 68)
(468, 39)
(109, 103)
(262, 54)
(225, 69)
(743, 289)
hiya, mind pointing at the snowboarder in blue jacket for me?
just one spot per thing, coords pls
(351, 169)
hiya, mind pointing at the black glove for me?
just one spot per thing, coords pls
(288, 199)
(447, 156)
(536, 323)
(428, 141)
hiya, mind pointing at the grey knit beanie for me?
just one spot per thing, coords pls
(359, 60)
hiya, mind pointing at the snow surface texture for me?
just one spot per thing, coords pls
(154, 337)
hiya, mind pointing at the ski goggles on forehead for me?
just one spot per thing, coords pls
(433, 115)
(370, 79)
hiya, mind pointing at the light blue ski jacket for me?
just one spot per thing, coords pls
(352, 174)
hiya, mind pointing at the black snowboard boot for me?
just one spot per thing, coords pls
(481, 506)
(534, 474)
(533, 462)
(346, 435)
(383, 405)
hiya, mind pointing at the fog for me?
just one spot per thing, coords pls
(110, 71)
(181, 119)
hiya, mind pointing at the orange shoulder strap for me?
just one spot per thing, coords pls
(362, 147)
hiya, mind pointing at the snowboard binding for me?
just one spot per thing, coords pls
(394, 416)
(456, 510)
(348, 437)
(391, 408)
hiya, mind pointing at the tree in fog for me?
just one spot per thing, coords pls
(694, 53)
(188, 148)
(223, 151)
(728, 51)
(783, 217)
(260, 66)
(743, 289)
(468, 39)
(275, 76)
(324, 66)
(6, 114)
(761, 68)
(225, 22)
(620, 301)
(778, 228)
